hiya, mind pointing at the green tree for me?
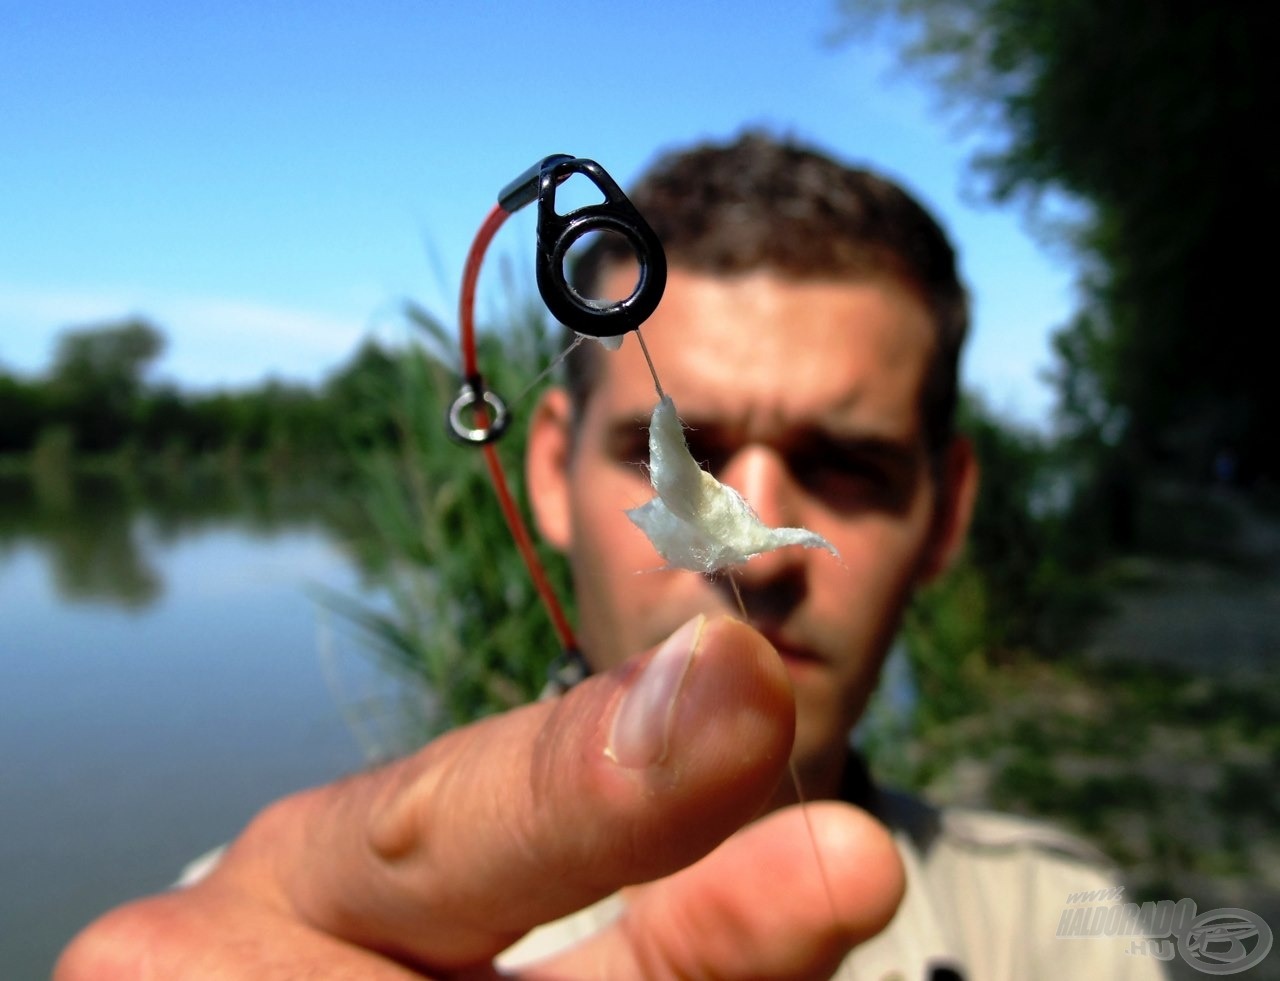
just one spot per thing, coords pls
(24, 405)
(357, 396)
(97, 380)
(1148, 113)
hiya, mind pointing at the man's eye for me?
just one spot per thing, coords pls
(711, 456)
(834, 468)
(631, 449)
(845, 482)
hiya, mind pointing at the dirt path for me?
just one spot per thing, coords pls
(1215, 613)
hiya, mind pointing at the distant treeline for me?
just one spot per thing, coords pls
(94, 400)
(1052, 511)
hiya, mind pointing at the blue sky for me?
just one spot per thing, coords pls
(266, 182)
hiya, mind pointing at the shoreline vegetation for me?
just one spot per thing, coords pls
(1019, 700)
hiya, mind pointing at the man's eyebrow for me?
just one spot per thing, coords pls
(815, 436)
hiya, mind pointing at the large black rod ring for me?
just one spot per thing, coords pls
(557, 233)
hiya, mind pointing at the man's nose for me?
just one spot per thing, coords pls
(761, 476)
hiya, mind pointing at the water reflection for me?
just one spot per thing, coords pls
(96, 531)
(161, 680)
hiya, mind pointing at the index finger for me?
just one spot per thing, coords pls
(520, 819)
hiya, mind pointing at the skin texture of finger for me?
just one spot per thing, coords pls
(757, 907)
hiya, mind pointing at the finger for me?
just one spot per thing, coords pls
(207, 931)
(523, 818)
(788, 897)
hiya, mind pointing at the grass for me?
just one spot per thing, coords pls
(1172, 775)
(462, 614)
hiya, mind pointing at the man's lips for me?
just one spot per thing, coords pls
(794, 653)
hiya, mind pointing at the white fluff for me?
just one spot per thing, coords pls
(696, 522)
(608, 343)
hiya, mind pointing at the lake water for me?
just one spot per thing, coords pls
(160, 681)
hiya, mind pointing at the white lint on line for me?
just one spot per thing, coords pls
(696, 522)
(608, 343)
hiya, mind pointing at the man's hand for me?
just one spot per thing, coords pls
(435, 864)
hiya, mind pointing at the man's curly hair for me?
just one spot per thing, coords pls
(765, 203)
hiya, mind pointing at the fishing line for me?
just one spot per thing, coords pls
(794, 772)
(742, 610)
(545, 373)
(649, 361)
(741, 536)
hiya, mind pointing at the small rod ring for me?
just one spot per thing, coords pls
(468, 398)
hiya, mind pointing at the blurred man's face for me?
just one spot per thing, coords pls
(805, 396)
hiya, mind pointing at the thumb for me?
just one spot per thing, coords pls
(787, 897)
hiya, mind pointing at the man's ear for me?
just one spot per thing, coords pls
(546, 466)
(957, 491)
